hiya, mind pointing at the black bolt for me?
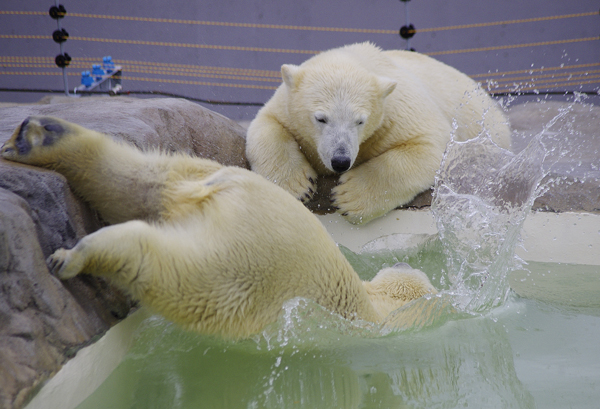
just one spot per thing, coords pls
(57, 12)
(62, 60)
(407, 32)
(60, 36)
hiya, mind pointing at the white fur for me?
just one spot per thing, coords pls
(386, 114)
(215, 249)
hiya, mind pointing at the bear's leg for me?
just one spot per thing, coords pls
(119, 252)
(276, 155)
(117, 179)
(385, 182)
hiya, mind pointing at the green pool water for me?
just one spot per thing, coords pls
(539, 349)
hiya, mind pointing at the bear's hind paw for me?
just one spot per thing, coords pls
(62, 265)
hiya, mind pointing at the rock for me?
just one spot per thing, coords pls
(41, 321)
(169, 124)
(320, 203)
(573, 180)
(44, 321)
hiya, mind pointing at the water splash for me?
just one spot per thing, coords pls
(305, 323)
(482, 196)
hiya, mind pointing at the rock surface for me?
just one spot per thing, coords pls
(573, 142)
(44, 321)
(169, 124)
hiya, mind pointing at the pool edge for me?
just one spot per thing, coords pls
(565, 237)
(83, 374)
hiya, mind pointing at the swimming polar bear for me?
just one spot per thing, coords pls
(215, 249)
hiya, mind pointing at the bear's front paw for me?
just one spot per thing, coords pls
(301, 183)
(357, 199)
(310, 190)
(64, 264)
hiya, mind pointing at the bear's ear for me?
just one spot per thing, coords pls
(386, 85)
(289, 73)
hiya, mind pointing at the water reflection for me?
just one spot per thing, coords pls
(461, 362)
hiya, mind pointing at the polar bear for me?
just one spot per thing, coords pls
(215, 249)
(379, 119)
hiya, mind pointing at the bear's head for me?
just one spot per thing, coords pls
(334, 108)
(35, 139)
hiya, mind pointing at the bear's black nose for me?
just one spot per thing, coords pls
(340, 163)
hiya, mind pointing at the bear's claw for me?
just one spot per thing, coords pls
(56, 261)
(308, 192)
(306, 198)
(62, 265)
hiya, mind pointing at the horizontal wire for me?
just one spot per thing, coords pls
(506, 47)
(531, 70)
(270, 75)
(273, 73)
(258, 104)
(161, 44)
(536, 83)
(280, 50)
(533, 80)
(162, 93)
(572, 82)
(506, 22)
(273, 88)
(213, 23)
(189, 72)
(189, 82)
(309, 28)
(77, 63)
(81, 65)
(556, 85)
(498, 83)
(582, 74)
(241, 25)
(192, 69)
(163, 80)
(206, 75)
(199, 46)
(172, 66)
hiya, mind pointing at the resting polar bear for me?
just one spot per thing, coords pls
(381, 119)
(216, 249)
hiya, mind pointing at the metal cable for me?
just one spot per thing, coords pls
(281, 50)
(507, 79)
(307, 28)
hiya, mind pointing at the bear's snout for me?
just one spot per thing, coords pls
(340, 163)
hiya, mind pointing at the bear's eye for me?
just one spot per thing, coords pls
(321, 118)
(54, 128)
(360, 122)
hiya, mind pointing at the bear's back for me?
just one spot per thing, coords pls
(456, 95)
